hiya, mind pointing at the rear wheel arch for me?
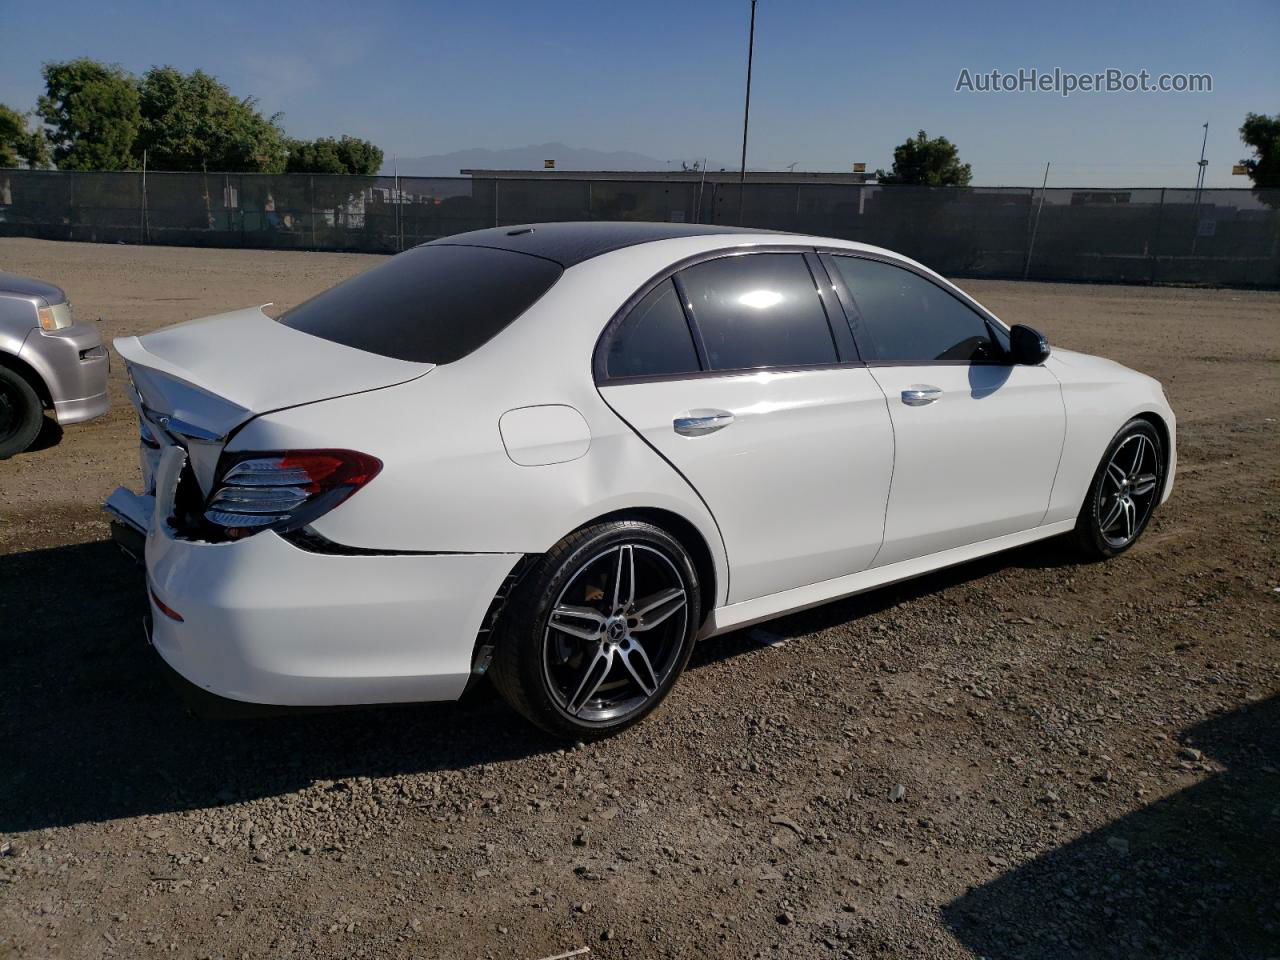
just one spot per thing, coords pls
(682, 529)
(677, 526)
(546, 651)
(689, 536)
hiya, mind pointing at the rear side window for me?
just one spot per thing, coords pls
(654, 339)
(432, 304)
(909, 319)
(758, 310)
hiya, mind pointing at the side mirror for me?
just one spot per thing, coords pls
(1027, 345)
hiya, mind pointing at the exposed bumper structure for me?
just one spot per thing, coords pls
(131, 509)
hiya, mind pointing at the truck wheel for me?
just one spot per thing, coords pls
(20, 413)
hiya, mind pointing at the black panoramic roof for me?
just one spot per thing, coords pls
(570, 243)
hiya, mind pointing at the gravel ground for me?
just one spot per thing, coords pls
(1020, 757)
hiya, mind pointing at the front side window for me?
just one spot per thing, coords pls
(909, 319)
(431, 304)
(758, 310)
(654, 339)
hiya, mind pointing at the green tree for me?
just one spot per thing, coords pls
(192, 122)
(934, 162)
(1262, 133)
(349, 155)
(19, 143)
(91, 109)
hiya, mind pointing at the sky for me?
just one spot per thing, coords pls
(833, 83)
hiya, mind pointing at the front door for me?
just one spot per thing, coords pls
(977, 439)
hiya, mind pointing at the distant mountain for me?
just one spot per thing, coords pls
(524, 158)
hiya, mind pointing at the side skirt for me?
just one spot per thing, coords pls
(748, 612)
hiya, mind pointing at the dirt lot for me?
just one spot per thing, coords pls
(1090, 754)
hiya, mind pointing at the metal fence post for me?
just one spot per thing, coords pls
(142, 202)
(1154, 242)
(399, 213)
(1026, 270)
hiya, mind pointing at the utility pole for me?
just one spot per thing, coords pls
(1200, 186)
(746, 113)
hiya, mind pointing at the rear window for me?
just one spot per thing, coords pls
(759, 310)
(654, 339)
(432, 304)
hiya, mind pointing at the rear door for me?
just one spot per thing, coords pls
(734, 373)
(977, 438)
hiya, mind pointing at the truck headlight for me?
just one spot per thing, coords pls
(55, 317)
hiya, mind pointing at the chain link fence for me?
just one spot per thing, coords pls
(1145, 235)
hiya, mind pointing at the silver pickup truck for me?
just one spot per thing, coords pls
(47, 362)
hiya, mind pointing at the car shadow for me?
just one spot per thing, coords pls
(50, 435)
(94, 730)
(1196, 874)
(985, 379)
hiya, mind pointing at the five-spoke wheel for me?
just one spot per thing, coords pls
(613, 610)
(1125, 491)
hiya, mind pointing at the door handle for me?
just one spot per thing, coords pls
(698, 423)
(920, 394)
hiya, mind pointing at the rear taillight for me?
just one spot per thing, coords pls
(285, 491)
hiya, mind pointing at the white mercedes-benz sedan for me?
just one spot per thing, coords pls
(560, 454)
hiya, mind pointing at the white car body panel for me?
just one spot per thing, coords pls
(544, 435)
(246, 359)
(735, 616)
(216, 372)
(1099, 396)
(820, 488)
(250, 633)
(976, 463)
(797, 482)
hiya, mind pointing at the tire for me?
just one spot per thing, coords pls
(1124, 493)
(21, 413)
(576, 664)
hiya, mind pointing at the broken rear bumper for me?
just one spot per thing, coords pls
(130, 519)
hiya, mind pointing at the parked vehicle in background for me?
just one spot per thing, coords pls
(559, 454)
(48, 361)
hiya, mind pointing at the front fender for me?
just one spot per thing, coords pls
(1099, 400)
